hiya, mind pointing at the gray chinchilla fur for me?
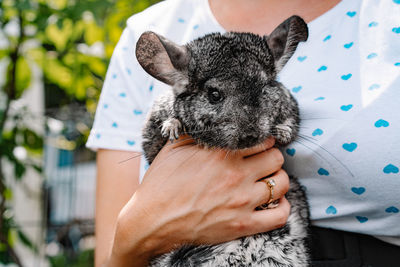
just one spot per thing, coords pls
(225, 95)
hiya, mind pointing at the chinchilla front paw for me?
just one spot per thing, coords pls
(171, 128)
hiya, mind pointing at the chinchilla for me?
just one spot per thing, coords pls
(225, 95)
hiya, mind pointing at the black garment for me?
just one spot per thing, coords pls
(332, 248)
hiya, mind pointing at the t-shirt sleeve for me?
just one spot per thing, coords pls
(124, 100)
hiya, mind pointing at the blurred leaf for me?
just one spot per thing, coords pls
(109, 50)
(37, 54)
(57, 4)
(10, 13)
(82, 84)
(114, 33)
(83, 259)
(37, 168)
(32, 139)
(26, 241)
(58, 74)
(23, 4)
(4, 53)
(8, 194)
(23, 76)
(93, 33)
(3, 247)
(60, 36)
(12, 236)
(79, 28)
(19, 170)
(97, 66)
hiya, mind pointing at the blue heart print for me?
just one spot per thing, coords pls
(128, 71)
(105, 106)
(362, 219)
(390, 168)
(348, 45)
(327, 38)
(114, 125)
(98, 136)
(374, 86)
(319, 98)
(381, 123)
(301, 58)
(322, 171)
(114, 76)
(397, 64)
(122, 95)
(345, 77)
(349, 147)
(146, 166)
(291, 151)
(151, 87)
(358, 190)
(372, 55)
(137, 112)
(351, 14)
(130, 142)
(296, 89)
(181, 20)
(373, 24)
(346, 107)
(195, 27)
(392, 210)
(125, 48)
(396, 30)
(322, 68)
(317, 131)
(331, 210)
(396, 2)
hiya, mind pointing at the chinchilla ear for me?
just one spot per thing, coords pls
(163, 59)
(284, 39)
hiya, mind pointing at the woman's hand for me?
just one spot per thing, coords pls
(199, 196)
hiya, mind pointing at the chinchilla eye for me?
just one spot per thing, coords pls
(214, 95)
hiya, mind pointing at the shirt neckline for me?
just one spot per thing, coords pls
(316, 25)
(211, 16)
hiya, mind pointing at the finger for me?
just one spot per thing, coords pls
(268, 143)
(263, 164)
(262, 191)
(270, 219)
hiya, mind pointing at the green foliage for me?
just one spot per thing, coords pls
(83, 259)
(71, 41)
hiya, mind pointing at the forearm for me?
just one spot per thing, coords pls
(116, 183)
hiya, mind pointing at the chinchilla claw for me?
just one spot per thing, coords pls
(171, 129)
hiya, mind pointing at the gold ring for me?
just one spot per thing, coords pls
(270, 183)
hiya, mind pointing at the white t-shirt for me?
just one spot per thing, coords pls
(346, 78)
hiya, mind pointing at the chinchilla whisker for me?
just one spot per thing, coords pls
(140, 153)
(307, 137)
(179, 141)
(170, 155)
(303, 127)
(198, 131)
(329, 153)
(226, 154)
(305, 119)
(312, 150)
(125, 160)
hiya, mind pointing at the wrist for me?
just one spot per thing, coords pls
(117, 259)
(133, 243)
